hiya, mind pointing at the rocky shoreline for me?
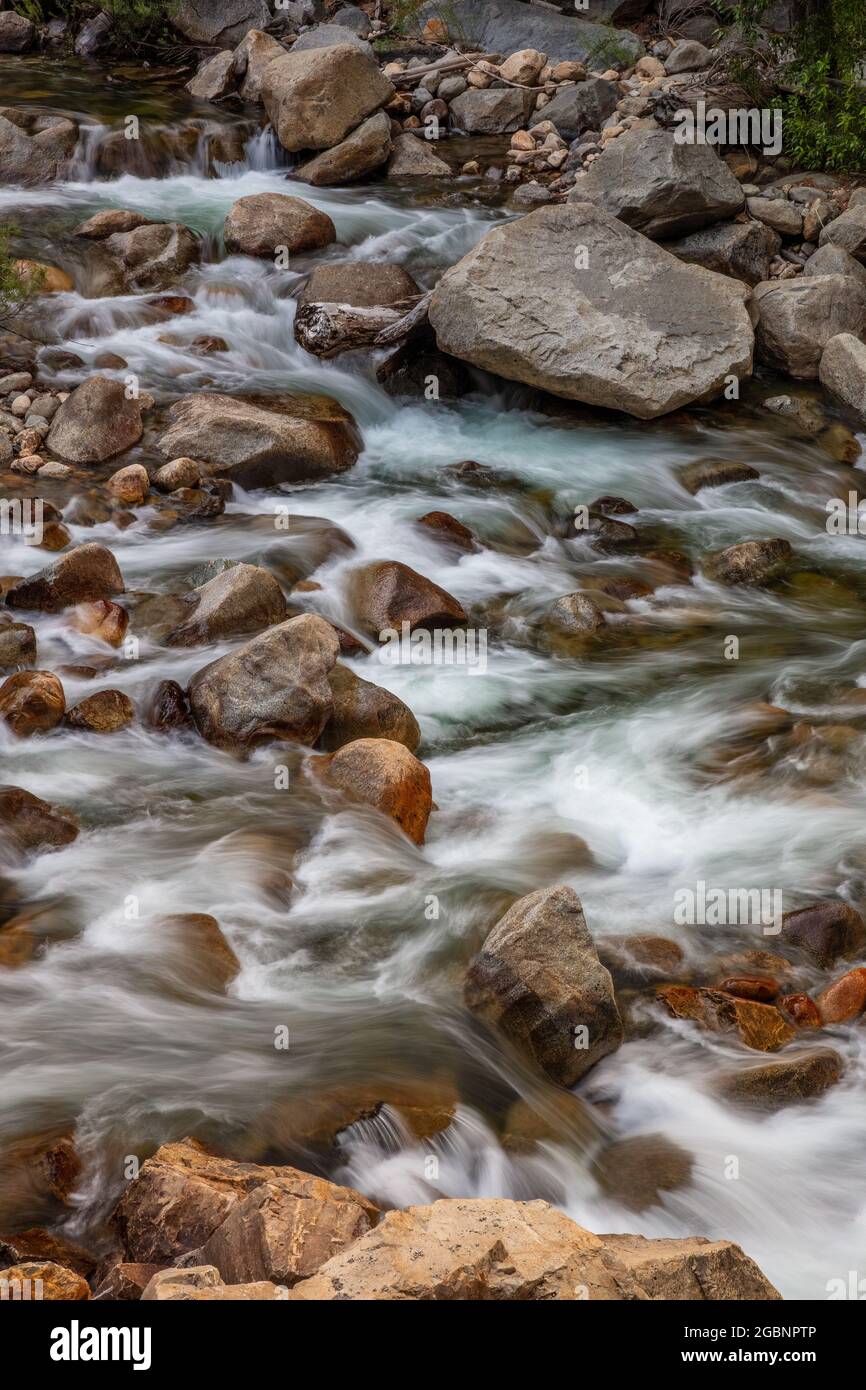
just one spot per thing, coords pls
(627, 271)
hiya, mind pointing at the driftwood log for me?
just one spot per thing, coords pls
(326, 329)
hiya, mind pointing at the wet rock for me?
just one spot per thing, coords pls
(240, 601)
(293, 439)
(637, 1172)
(640, 958)
(825, 932)
(449, 530)
(155, 255)
(129, 485)
(557, 1116)
(284, 1231)
(183, 1194)
(104, 620)
(640, 331)
(715, 473)
(179, 473)
(807, 415)
(95, 422)
(659, 187)
(219, 23)
(797, 318)
(492, 110)
(34, 824)
(17, 33)
(169, 708)
(215, 78)
(742, 250)
(386, 775)
(413, 158)
(783, 1083)
(32, 702)
(36, 1243)
(760, 1026)
(538, 978)
(493, 1249)
(575, 615)
(206, 957)
(843, 1000)
(273, 687)
(386, 594)
(365, 149)
(17, 646)
(124, 1283)
(801, 1009)
(750, 562)
(314, 98)
(44, 1280)
(108, 222)
(848, 232)
(363, 284)
(756, 987)
(84, 574)
(251, 59)
(260, 223)
(842, 371)
(104, 712)
(365, 710)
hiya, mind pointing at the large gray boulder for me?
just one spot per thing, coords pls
(222, 23)
(315, 98)
(328, 36)
(259, 444)
(582, 106)
(741, 249)
(659, 187)
(365, 149)
(492, 110)
(848, 231)
(504, 26)
(833, 260)
(273, 687)
(635, 330)
(29, 160)
(16, 32)
(797, 318)
(843, 371)
(538, 978)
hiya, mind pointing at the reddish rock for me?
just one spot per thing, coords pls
(387, 593)
(448, 529)
(760, 1026)
(386, 775)
(802, 1009)
(102, 619)
(41, 1280)
(35, 1243)
(751, 987)
(788, 1082)
(32, 823)
(124, 1283)
(102, 713)
(825, 932)
(845, 999)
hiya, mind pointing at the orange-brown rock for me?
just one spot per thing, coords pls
(104, 712)
(102, 619)
(199, 940)
(42, 1280)
(497, 1250)
(386, 594)
(844, 999)
(448, 529)
(365, 710)
(386, 775)
(763, 991)
(35, 1243)
(802, 1009)
(86, 573)
(641, 957)
(32, 702)
(183, 1194)
(130, 485)
(760, 1026)
(789, 1082)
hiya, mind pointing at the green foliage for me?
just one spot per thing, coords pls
(133, 19)
(13, 290)
(821, 68)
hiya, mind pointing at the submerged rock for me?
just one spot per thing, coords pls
(538, 978)
(32, 823)
(636, 1172)
(632, 329)
(783, 1083)
(32, 702)
(751, 562)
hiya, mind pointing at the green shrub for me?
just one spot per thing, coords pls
(820, 70)
(13, 291)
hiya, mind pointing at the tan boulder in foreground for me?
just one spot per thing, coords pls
(386, 775)
(498, 1250)
(315, 97)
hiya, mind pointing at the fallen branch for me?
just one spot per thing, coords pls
(416, 318)
(327, 329)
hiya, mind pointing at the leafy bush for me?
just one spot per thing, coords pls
(14, 291)
(132, 18)
(820, 70)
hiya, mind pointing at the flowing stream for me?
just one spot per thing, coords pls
(595, 771)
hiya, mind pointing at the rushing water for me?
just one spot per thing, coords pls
(590, 770)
